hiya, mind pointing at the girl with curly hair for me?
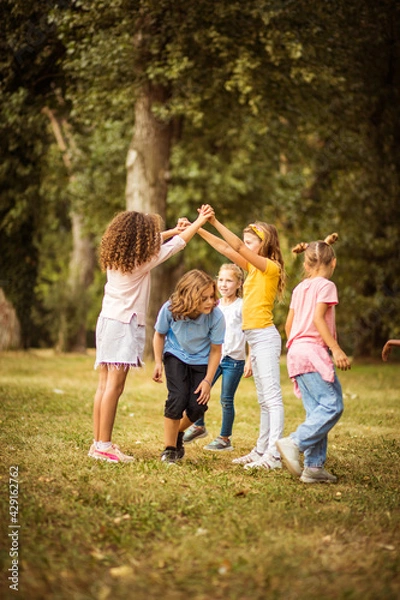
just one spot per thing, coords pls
(131, 247)
(189, 333)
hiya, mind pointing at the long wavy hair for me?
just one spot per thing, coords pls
(187, 296)
(130, 240)
(270, 248)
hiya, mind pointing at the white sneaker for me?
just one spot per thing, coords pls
(290, 454)
(252, 456)
(319, 475)
(266, 462)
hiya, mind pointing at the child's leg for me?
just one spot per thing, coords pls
(265, 353)
(171, 429)
(185, 422)
(232, 371)
(106, 401)
(201, 422)
(323, 403)
(101, 386)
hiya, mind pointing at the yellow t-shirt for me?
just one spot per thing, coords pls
(259, 292)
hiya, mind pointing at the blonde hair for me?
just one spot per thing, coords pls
(238, 273)
(270, 248)
(187, 296)
(319, 252)
(130, 240)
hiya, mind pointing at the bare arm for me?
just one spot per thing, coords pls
(158, 347)
(169, 233)
(339, 357)
(387, 348)
(205, 212)
(223, 248)
(204, 389)
(248, 371)
(260, 262)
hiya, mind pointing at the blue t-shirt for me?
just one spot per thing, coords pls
(190, 339)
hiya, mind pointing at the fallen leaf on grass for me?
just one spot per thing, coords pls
(97, 555)
(225, 567)
(121, 572)
(387, 547)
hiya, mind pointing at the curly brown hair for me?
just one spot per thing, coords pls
(270, 248)
(187, 296)
(130, 240)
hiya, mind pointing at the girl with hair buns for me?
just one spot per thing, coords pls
(131, 247)
(313, 352)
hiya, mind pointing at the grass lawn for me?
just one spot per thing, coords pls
(201, 530)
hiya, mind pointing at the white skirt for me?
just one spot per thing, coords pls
(119, 345)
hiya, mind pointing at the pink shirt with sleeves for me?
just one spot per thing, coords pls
(307, 352)
(127, 294)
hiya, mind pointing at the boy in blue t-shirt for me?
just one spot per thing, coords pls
(189, 333)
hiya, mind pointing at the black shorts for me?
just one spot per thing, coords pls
(182, 380)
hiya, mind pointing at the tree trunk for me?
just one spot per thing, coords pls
(10, 331)
(146, 186)
(72, 327)
(81, 270)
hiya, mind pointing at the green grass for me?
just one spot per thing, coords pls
(204, 529)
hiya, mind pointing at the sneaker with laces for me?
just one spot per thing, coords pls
(267, 462)
(112, 454)
(219, 444)
(317, 475)
(169, 456)
(194, 432)
(180, 448)
(290, 454)
(252, 456)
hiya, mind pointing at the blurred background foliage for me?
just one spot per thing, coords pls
(280, 111)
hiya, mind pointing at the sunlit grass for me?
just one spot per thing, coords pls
(204, 529)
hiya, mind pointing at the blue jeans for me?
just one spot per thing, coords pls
(231, 371)
(323, 403)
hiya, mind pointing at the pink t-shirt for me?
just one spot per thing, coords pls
(307, 352)
(127, 294)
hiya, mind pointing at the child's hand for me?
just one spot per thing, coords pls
(248, 371)
(340, 359)
(207, 211)
(204, 391)
(157, 373)
(182, 223)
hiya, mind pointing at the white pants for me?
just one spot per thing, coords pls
(265, 346)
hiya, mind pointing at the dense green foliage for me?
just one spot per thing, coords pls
(283, 111)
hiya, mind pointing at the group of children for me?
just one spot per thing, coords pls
(199, 338)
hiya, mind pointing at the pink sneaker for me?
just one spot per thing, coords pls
(112, 454)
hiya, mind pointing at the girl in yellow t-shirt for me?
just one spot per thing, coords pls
(260, 255)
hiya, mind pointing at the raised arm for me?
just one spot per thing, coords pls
(260, 262)
(223, 248)
(205, 213)
(387, 348)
